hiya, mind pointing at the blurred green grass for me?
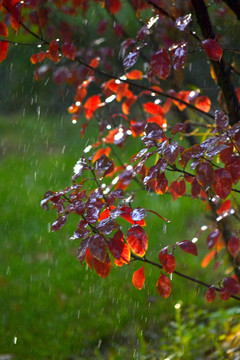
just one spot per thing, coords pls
(51, 306)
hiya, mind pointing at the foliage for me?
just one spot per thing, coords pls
(132, 91)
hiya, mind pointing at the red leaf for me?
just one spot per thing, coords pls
(113, 5)
(232, 165)
(210, 294)
(205, 175)
(188, 246)
(231, 285)
(3, 50)
(222, 120)
(89, 259)
(160, 64)
(162, 184)
(137, 240)
(195, 189)
(102, 268)
(37, 58)
(69, 50)
(169, 263)
(53, 54)
(225, 207)
(119, 249)
(91, 105)
(226, 153)
(234, 245)
(203, 103)
(164, 286)
(3, 29)
(179, 128)
(138, 278)
(213, 238)
(98, 247)
(106, 151)
(171, 152)
(180, 56)
(134, 75)
(223, 183)
(212, 49)
(162, 254)
(224, 294)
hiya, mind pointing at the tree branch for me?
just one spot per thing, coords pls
(221, 69)
(178, 273)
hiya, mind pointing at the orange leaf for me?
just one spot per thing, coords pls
(137, 240)
(134, 75)
(153, 109)
(206, 260)
(203, 103)
(100, 152)
(138, 278)
(37, 58)
(91, 105)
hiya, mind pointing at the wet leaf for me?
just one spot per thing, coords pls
(206, 260)
(205, 175)
(82, 249)
(138, 214)
(223, 183)
(119, 249)
(98, 247)
(102, 268)
(232, 165)
(233, 245)
(138, 278)
(231, 285)
(164, 286)
(210, 294)
(162, 184)
(160, 64)
(92, 214)
(212, 49)
(171, 152)
(180, 56)
(59, 223)
(212, 238)
(188, 246)
(106, 226)
(131, 58)
(169, 263)
(224, 294)
(179, 128)
(195, 188)
(182, 22)
(154, 131)
(137, 240)
(222, 120)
